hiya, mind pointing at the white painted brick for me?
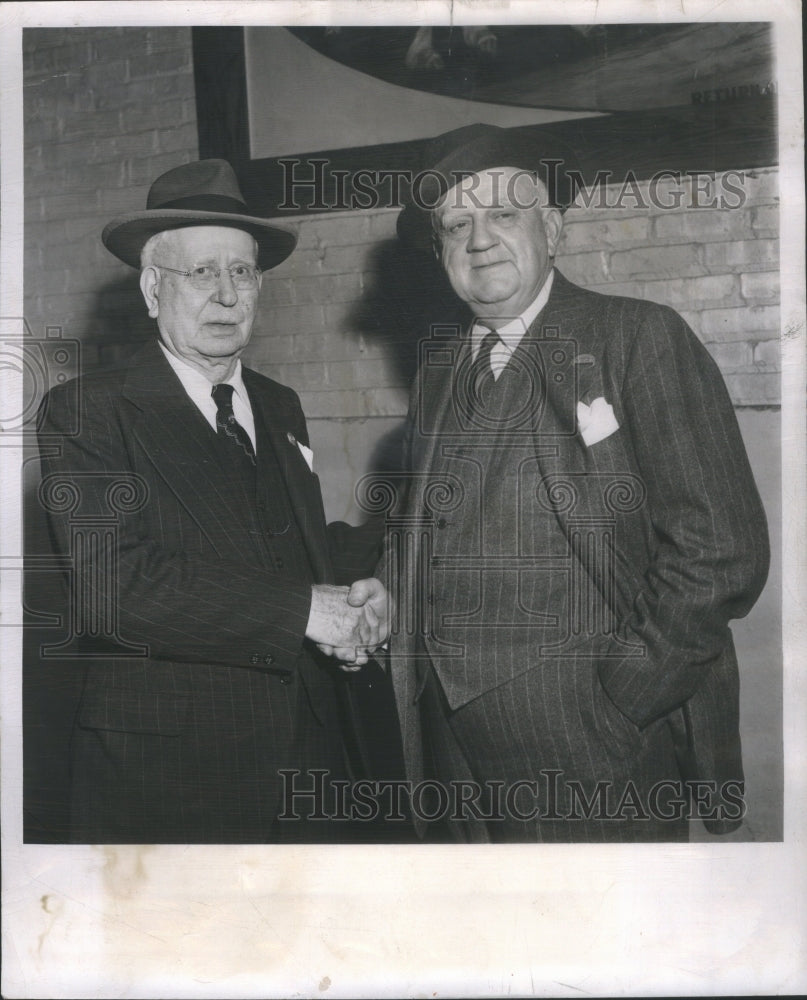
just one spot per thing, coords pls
(732, 356)
(703, 225)
(767, 354)
(693, 294)
(744, 255)
(738, 324)
(656, 262)
(760, 286)
(754, 389)
(596, 235)
(586, 268)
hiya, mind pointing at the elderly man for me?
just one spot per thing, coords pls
(219, 580)
(589, 525)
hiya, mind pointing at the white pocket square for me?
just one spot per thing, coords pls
(597, 421)
(307, 454)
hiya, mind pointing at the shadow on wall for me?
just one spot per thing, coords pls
(407, 299)
(120, 323)
(406, 296)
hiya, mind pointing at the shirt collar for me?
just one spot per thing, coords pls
(512, 333)
(194, 382)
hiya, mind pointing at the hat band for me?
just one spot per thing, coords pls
(205, 203)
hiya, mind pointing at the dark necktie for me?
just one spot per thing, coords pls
(481, 372)
(226, 424)
(482, 363)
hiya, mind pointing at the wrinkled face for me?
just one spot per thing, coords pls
(496, 240)
(208, 328)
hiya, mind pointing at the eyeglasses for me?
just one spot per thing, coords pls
(205, 277)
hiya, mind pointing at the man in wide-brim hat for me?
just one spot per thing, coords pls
(593, 526)
(221, 576)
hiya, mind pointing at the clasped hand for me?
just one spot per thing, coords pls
(348, 623)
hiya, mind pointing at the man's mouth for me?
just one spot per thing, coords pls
(489, 264)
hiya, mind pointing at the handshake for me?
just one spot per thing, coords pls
(349, 623)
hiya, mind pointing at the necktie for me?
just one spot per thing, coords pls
(491, 339)
(482, 373)
(226, 423)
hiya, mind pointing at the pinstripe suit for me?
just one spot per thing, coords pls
(677, 546)
(183, 744)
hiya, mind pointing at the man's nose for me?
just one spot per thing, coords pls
(482, 238)
(225, 289)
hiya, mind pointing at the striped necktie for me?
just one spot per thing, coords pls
(226, 424)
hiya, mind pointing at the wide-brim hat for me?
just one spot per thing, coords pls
(203, 193)
(457, 154)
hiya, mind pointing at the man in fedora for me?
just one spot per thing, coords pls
(589, 523)
(196, 620)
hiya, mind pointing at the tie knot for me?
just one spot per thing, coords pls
(223, 395)
(489, 341)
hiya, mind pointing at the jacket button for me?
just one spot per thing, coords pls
(254, 658)
(268, 659)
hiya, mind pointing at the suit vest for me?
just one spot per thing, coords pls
(499, 573)
(263, 498)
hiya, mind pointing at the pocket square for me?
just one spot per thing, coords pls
(307, 454)
(597, 421)
(305, 451)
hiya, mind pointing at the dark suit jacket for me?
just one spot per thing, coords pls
(183, 740)
(692, 547)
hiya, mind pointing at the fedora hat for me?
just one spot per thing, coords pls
(464, 151)
(203, 193)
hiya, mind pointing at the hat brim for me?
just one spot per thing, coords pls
(126, 236)
(542, 154)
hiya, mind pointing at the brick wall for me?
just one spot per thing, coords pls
(334, 320)
(106, 111)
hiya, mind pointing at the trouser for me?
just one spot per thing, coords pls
(548, 770)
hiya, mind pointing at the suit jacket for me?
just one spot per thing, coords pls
(181, 737)
(674, 483)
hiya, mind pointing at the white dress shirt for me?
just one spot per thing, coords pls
(199, 389)
(512, 333)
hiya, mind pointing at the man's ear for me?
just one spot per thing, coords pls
(150, 287)
(553, 227)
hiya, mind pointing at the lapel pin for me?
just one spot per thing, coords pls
(292, 438)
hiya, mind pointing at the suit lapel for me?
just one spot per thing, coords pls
(564, 342)
(274, 428)
(180, 444)
(436, 397)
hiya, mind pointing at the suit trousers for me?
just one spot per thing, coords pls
(535, 786)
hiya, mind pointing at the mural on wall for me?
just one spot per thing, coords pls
(598, 67)
(638, 97)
